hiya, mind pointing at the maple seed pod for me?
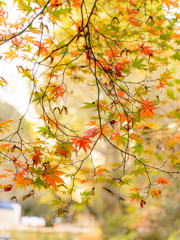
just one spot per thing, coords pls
(12, 148)
(65, 109)
(121, 199)
(157, 98)
(52, 59)
(111, 84)
(109, 93)
(93, 191)
(14, 198)
(112, 122)
(60, 111)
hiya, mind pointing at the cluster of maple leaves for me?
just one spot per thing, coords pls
(122, 53)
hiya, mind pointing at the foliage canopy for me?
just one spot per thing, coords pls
(122, 51)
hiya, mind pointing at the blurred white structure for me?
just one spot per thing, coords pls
(10, 214)
(33, 221)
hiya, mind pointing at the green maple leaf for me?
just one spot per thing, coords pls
(138, 148)
(138, 63)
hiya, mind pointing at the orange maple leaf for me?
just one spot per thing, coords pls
(4, 146)
(162, 181)
(147, 108)
(52, 174)
(21, 181)
(17, 42)
(135, 189)
(112, 53)
(99, 171)
(155, 193)
(4, 175)
(4, 126)
(120, 93)
(8, 170)
(77, 3)
(135, 137)
(160, 86)
(36, 156)
(117, 138)
(170, 2)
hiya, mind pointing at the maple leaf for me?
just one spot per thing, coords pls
(112, 53)
(135, 196)
(21, 181)
(52, 174)
(17, 42)
(12, 54)
(41, 47)
(65, 149)
(77, 3)
(62, 152)
(155, 193)
(147, 108)
(4, 176)
(160, 86)
(162, 181)
(120, 93)
(8, 170)
(36, 156)
(4, 146)
(5, 126)
(117, 138)
(82, 181)
(53, 122)
(135, 189)
(55, 4)
(99, 171)
(145, 49)
(170, 2)
(94, 131)
(58, 91)
(165, 76)
(135, 137)
(81, 143)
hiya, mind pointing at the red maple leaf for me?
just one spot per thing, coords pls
(82, 181)
(145, 49)
(58, 91)
(81, 143)
(17, 42)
